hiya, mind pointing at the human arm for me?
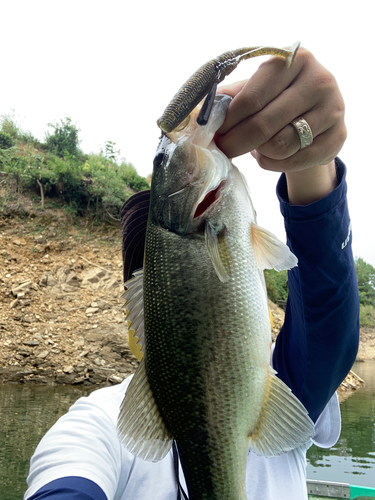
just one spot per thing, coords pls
(319, 340)
(81, 452)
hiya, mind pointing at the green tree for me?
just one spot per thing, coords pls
(64, 139)
(366, 282)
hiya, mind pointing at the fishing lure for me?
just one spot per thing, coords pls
(205, 80)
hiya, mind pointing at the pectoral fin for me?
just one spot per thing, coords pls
(218, 249)
(283, 423)
(269, 251)
(140, 425)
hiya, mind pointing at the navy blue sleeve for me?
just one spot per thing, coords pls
(70, 488)
(318, 343)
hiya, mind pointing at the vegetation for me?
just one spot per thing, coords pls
(97, 183)
(277, 286)
(277, 289)
(366, 287)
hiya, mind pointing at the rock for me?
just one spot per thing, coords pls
(115, 379)
(24, 352)
(14, 304)
(31, 343)
(111, 284)
(73, 281)
(62, 273)
(93, 276)
(43, 355)
(48, 280)
(22, 287)
(39, 239)
(79, 380)
(95, 336)
(18, 242)
(68, 369)
(68, 288)
(65, 378)
(92, 310)
(80, 368)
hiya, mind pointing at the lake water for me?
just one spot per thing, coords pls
(27, 412)
(352, 459)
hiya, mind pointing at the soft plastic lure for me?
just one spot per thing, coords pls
(205, 80)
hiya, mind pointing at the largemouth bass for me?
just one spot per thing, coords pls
(200, 312)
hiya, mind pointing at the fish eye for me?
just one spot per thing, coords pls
(159, 158)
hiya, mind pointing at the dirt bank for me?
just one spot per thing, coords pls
(61, 314)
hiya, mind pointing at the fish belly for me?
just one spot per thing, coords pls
(207, 356)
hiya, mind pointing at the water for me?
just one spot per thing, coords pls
(352, 459)
(27, 412)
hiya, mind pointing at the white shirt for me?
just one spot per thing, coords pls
(84, 443)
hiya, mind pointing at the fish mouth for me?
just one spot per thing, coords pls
(210, 198)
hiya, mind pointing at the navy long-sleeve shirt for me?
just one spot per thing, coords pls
(318, 342)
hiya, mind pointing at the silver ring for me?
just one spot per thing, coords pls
(304, 131)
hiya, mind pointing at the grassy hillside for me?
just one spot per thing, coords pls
(57, 174)
(56, 169)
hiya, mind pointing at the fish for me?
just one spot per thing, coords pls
(198, 313)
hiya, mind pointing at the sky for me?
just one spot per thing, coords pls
(112, 67)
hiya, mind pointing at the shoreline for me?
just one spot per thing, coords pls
(61, 312)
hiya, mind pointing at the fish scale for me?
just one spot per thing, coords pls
(201, 324)
(205, 378)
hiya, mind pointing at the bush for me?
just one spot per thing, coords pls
(367, 316)
(277, 286)
(132, 179)
(94, 183)
(64, 139)
(6, 140)
(9, 126)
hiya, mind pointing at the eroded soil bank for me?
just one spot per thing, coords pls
(61, 312)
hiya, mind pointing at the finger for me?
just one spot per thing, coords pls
(259, 129)
(323, 150)
(328, 112)
(315, 90)
(271, 78)
(287, 142)
(232, 89)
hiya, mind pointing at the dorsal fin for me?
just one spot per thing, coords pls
(134, 215)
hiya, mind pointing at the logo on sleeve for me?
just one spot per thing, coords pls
(347, 239)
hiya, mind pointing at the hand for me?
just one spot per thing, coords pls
(258, 120)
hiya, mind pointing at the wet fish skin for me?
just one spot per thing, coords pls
(205, 377)
(201, 371)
